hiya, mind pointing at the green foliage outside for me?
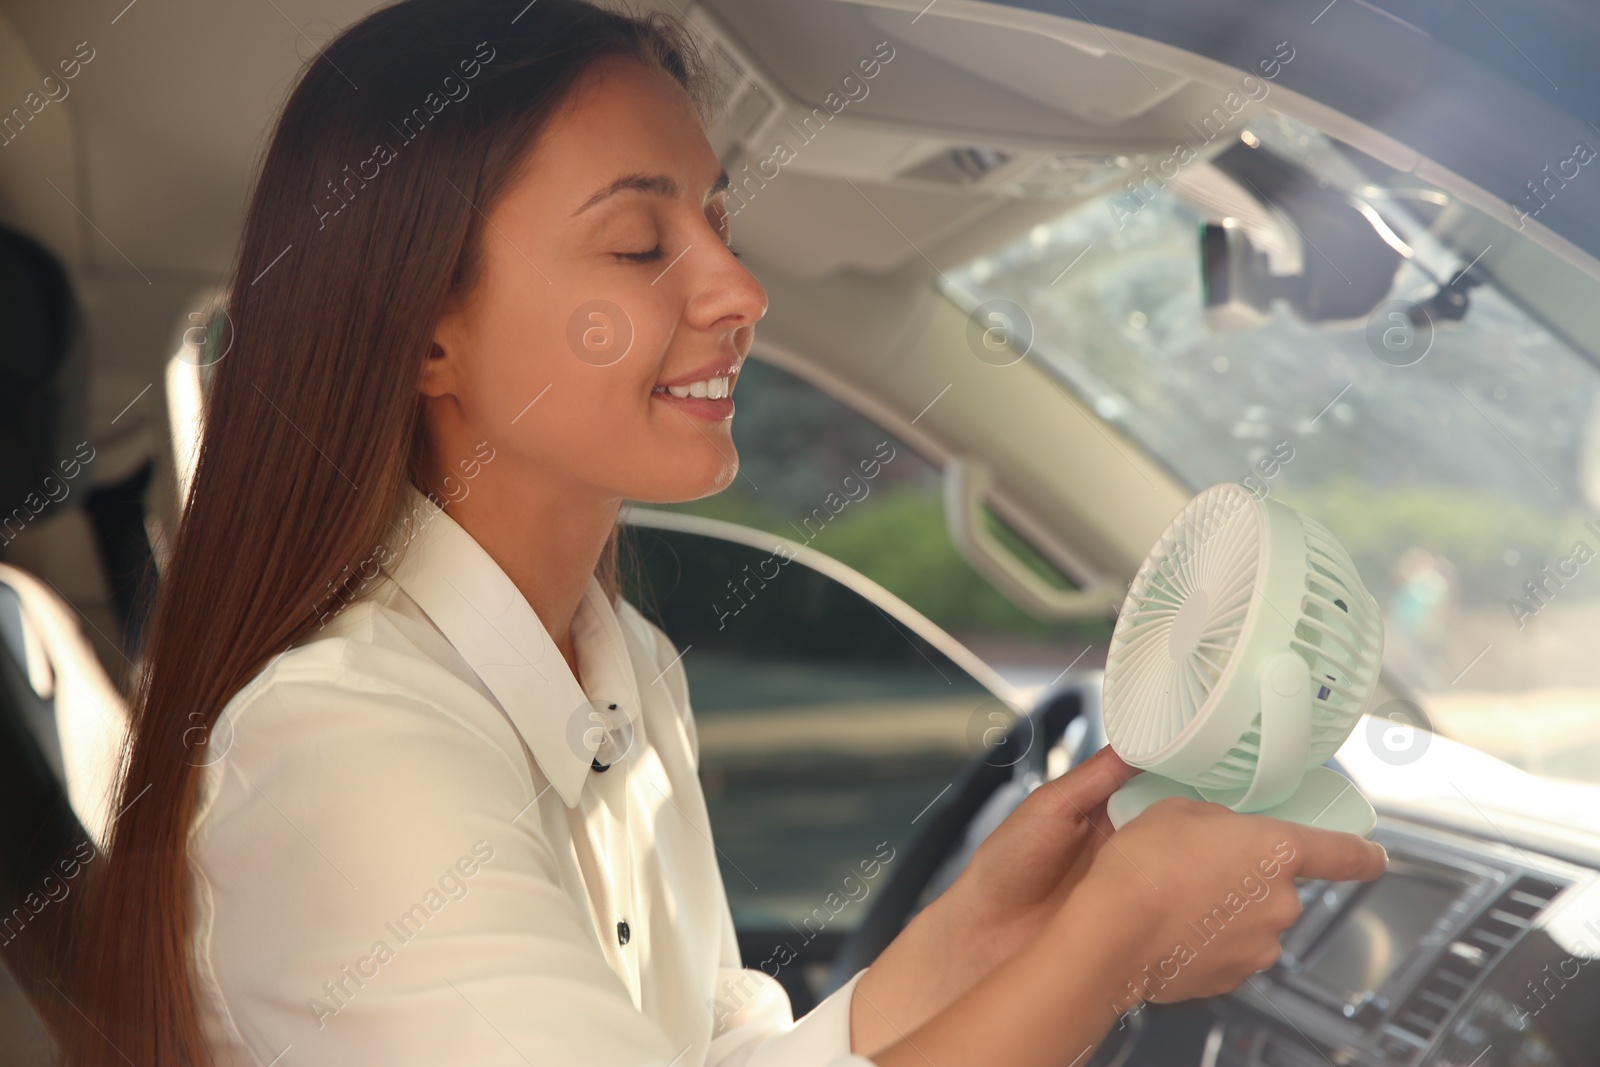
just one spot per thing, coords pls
(897, 537)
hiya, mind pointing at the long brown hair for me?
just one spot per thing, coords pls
(348, 256)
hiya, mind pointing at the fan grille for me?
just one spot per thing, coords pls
(1341, 647)
(1162, 666)
(1164, 661)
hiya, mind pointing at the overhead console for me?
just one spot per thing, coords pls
(1465, 954)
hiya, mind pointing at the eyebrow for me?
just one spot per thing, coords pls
(654, 184)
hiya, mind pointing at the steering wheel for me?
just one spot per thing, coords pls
(1020, 753)
(1017, 763)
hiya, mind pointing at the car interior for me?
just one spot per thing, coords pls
(1039, 271)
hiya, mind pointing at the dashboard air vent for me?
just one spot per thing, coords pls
(1467, 957)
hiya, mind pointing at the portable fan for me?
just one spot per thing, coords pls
(1246, 650)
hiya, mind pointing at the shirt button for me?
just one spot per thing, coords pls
(595, 764)
(623, 933)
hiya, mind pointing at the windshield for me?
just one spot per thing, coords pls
(1464, 481)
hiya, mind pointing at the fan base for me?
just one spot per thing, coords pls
(1325, 799)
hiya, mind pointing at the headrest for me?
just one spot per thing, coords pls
(37, 313)
(42, 389)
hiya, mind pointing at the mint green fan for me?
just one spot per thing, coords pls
(1246, 651)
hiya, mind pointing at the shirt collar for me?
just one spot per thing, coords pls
(490, 623)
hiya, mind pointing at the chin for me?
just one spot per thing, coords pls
(679, 489)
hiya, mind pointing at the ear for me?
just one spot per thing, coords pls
(441, 369)
(438, 374)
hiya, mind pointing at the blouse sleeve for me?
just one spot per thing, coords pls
(756, 1028)
(371, 886)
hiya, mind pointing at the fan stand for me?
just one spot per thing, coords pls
(1280, 788)
(1325, 799)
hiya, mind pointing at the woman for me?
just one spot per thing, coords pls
(409, 783)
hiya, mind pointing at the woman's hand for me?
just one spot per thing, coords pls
(1023, 871)
(1187, 900)
(1204, 894)
(1012, 888)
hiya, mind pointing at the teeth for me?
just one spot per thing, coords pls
(710, 388)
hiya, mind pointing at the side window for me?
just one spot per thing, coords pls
(827, 727)
(797, 445)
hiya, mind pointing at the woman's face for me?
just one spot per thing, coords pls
(600, 347)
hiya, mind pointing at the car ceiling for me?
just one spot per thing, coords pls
(171, 114)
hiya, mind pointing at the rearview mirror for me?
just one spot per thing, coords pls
(1349, 256)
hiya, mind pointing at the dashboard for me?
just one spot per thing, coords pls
(1466, 953)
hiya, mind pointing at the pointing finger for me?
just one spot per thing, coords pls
(1335, 856)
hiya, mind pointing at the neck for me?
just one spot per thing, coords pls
(546, 535)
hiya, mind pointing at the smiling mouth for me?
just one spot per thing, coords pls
(709, 397)
(709, 388)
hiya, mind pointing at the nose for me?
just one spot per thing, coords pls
(725, 295)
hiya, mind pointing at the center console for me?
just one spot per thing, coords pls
(1466, 953)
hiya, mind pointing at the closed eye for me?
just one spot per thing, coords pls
(641, 257)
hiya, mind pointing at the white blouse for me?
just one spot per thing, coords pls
(403, 855)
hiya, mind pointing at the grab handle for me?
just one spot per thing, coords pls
(966, 485)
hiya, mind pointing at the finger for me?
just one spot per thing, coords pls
(1090, 783)
(1101, 820)
(1336, 856)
